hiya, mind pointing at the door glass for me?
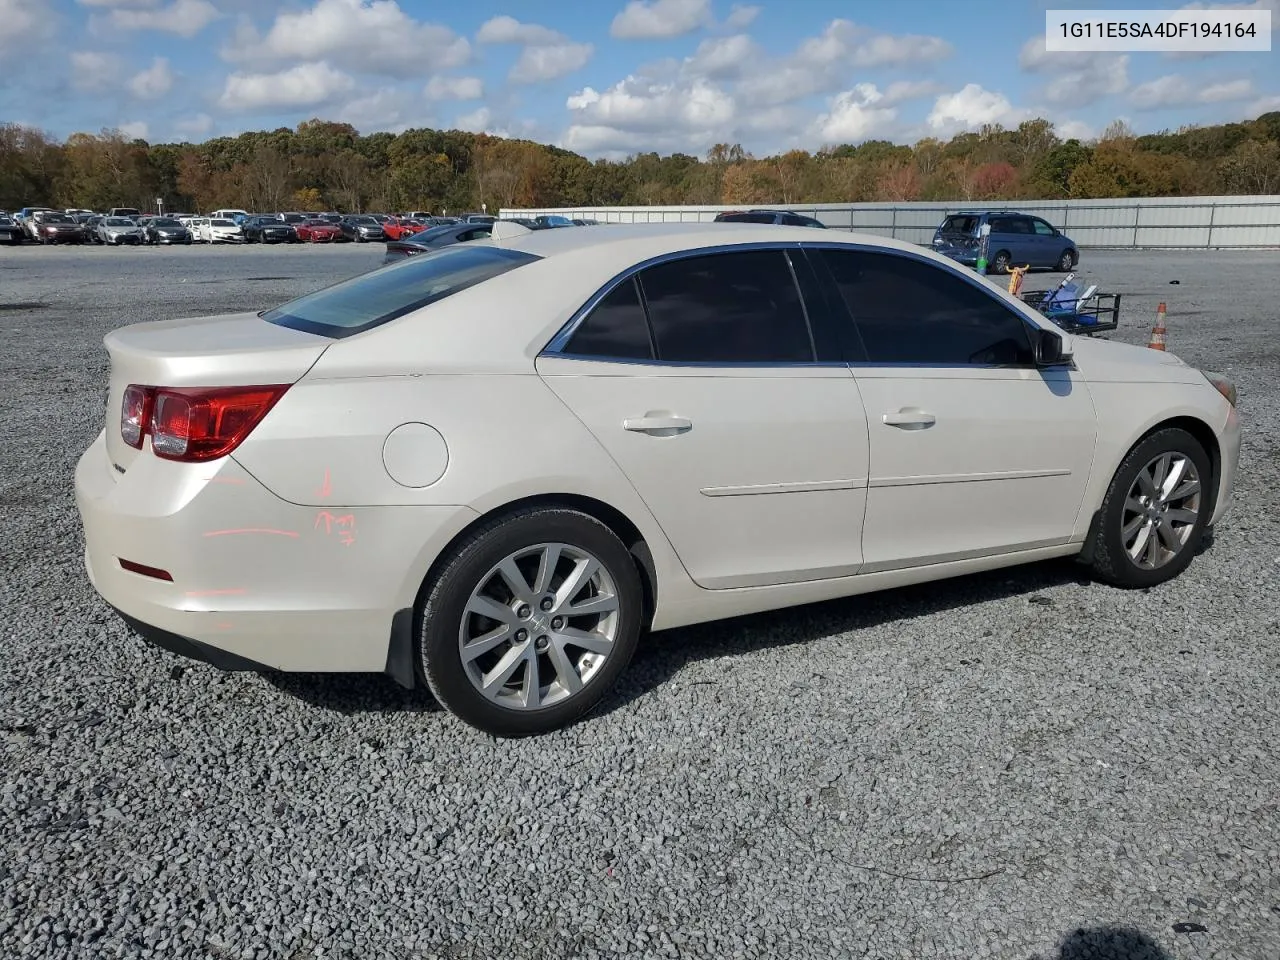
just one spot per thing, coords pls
(727, 308)
(912, 312)
(1043, 228)
(616, 328)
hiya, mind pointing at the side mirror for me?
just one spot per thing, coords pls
(1050, 349)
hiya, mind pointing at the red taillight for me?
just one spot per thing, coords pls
(144, 570)
(192, 424)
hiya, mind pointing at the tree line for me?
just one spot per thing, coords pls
(322, 165)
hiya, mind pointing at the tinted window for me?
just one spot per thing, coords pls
(1043, 228)
(727, 308)
(1010, 225)
(962, 223)
(910, 311)
(383, 295)
(746, 218)
(615, 328)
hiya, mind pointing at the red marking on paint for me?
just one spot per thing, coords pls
(326, 489)
(226, 480)
(232, 591)
(346, 526)
(278, 533)
(223, 626)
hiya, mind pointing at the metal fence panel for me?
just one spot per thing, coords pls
(1184, 222)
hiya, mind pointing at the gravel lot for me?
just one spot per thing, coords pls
(1017, 765)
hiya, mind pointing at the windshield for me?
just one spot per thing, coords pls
(965, 224)
(318, 223)
(55, 218)
(165, 222)
(118, 222)
(381, 296)
(221, 223)
(362, 219)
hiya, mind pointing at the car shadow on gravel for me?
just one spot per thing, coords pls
(353, 693)
(664, 654)
(1110, 943)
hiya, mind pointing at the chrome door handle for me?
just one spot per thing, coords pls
(909, 419)
(658, 426)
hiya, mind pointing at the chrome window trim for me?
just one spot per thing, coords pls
(556, 345)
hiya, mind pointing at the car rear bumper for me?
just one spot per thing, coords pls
(257, 582)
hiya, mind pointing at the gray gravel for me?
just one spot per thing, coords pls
(1017, 765)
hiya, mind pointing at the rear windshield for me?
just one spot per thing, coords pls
(165, 222)
(221, 223)
(378, 297)
(118, 222)
(966, 224)
(746, 218)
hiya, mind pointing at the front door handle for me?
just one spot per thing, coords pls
(909, 418)
(657, 426)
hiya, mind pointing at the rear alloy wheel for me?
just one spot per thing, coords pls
(1066, 261)
(531, 622)
(1155, 511)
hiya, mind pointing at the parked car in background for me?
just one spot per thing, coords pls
(219, 230)
(399, 229)
(124, 212)
(293, 219)
(10, 230)
(166, 230)
(577, 222)
(916, 422)
(24, 218)
(318, 231)
(361, 228)
(114, 231)
(477, 218)
(550, 220)
(90, 224)
(268, 230)
(229, 213)
(1017, 239)
(438, 237)
(50, 226)
(785, 218)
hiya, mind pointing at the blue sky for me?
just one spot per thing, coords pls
(602, 77)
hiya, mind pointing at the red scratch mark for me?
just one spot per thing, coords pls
(279, 533)
(232, 591)
(235, 480)
(326, 489)
(223, 626)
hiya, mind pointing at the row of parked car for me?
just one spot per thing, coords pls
(125, 225)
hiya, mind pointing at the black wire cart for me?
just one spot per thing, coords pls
(1074, 311)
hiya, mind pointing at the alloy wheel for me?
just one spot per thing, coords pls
(1160, 510)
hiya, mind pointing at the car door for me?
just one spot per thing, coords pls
(974, 450)
(1049, 245)
(719, 392)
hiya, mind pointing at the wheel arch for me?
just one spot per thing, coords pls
(1204, 435)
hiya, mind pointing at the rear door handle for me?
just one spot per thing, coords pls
(910, 419)
(658, 426)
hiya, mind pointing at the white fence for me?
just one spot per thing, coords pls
(1169, 222)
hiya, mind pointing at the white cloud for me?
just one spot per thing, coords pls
(154, 82)
(1075, 77)
(903, 91)
(1176, 90)
(134, 130)
(1074, 130)
(547, 54)
(25, 22)
(1263, 105)
(741, 16)
(93, 72)
(855, 115)
(475, 122)
(454, 88)
(185, 18)
(387, 109)
(369, 37)
(642, 112)
(723, 58)
(660, 19)
(196, 127)
(970, 108)
(306, 85)
(118, 3)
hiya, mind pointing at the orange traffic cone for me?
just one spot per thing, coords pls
(1158, 331)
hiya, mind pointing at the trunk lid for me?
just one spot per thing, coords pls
(237, 349)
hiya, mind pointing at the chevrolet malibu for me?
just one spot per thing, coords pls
(491, 468)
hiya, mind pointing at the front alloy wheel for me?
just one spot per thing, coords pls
(1161, 510)
(531, 620)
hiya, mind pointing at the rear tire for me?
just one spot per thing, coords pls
(540, 677)
(1151, 523)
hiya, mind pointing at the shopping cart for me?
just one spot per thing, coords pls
(1075, 308)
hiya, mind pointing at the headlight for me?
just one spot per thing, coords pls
(1223, 386)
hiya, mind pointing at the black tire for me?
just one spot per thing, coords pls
(438, 655)
(1066, 261)
(1110, 561)
(1000, 262)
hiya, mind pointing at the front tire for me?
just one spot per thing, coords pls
(1155, 512)
(531, 621)
(1000, 263)
(1066, 261)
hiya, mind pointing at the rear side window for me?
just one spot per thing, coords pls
(382, 295)
(965, 224)
(912, 312)
(616, 328)
(746, 218)
(727, 308)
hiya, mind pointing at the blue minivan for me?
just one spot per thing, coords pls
(1017, 239)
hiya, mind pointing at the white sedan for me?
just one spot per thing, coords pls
(217, 230)
(492, 467)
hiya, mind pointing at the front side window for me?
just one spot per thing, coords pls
(382, 295)
(910, 311)
(1043, 229)
(727, 308)
(616, 328)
